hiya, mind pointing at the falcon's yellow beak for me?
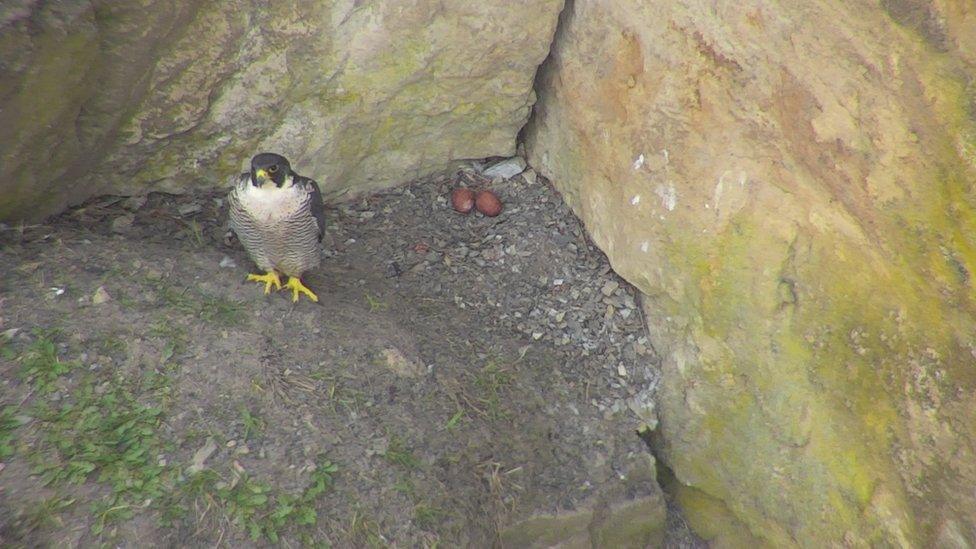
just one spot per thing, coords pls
(263, 179)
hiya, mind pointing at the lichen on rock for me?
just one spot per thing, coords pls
(141, 96)
(791, 188)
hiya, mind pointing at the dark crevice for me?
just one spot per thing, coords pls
(539, 80)
(679, 533)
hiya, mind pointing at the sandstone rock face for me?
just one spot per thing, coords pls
(791, 184)
(126, 97)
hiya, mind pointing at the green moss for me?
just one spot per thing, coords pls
(877, 323)
(810, 407)
(549, 531)
(638, 524)
(710, 518)
(61, 63)
(822, 395)
(390, 68)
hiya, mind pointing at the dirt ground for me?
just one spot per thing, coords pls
(459, 374)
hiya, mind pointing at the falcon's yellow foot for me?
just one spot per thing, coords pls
(295, 285)
(270, 279)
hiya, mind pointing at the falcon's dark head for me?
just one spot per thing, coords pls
(269, 168)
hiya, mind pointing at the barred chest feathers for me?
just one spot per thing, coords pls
(270, 203)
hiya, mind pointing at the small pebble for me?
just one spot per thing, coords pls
(188, 209)
(506, 169)
(122, 223)
(133, 203)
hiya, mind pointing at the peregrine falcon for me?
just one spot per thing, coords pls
(278, 217)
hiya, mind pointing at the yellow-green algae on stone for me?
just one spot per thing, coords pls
(793, 188)
(636, 524)
(132, 97)
(630, 514)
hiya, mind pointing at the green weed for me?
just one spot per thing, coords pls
(254, 505)
(40, 365)
(341, 395)
(99, 430)
(108, 431)
(103, 432)
(300, 509)
(251, 423)
(8, 424)
(244, 502)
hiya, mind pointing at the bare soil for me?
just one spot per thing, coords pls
(461, 373)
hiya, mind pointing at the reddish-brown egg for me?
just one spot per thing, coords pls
(462, 199)
(488, 204)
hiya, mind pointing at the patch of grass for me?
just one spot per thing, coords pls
(375, 304)
(491, 380)
(300, 509)
(364, 532)
(255, 505)
(113, 345)
(406, 487)
(194, 488)
(125, 300)
(40, 365)
(245, 502)
(159, 382)
(107, 430)
(455, 419)
(8, 424)
(199, 304)
(6, 349)
(40, 515)
(427, 516)
(341, 395)
(196, 233)
(101, 431)
(174, 335)
(398, 454)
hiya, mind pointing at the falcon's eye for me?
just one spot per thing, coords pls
(273, 169)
